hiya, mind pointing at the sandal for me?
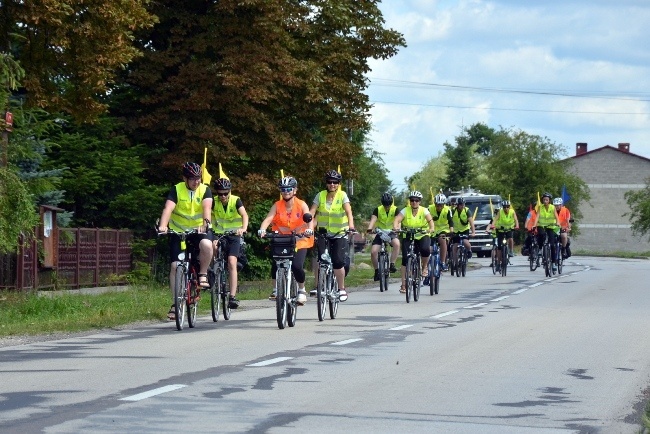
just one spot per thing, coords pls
(203, 280)
(402, 290)
(171, 315)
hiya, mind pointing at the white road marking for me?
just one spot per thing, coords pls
(348, 341)
(501, 298)
(521, 290)
(402, 327)
(271, 361)
(440, 315)
(534, 285)
(154, 392)
(551, 279)
(476, 305)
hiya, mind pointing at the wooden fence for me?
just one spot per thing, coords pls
(86, 257)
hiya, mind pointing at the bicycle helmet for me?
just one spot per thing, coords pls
(558, 201)
(288, 181)
(440, 199)
(415, 194)
(333, 174)
(547, 194)
(191, 170)
(386, 199)
(222, 184)
(505, 203)
(460, 200)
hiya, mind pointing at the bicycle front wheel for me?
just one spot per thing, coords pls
(292, 305)
(215, 294)
(383, 271)
(532, 258)
(180, 290)
(225, 291)
(504, 260)
(321, 293)
(409, 279)
(417, 279)
(546, 259)
(192, 301)
(281, 299)
(495, 257)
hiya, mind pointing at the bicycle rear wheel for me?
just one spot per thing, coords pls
(495, 254)
(225, 291)
(281, 299)
(463, 263)
(383, 271)
(333, 297)
(180, 289)
(292, 306)
(321, 291)
(532, 257)
(433, 260)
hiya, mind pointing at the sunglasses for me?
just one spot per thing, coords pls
(223, 194)
(286, 189)
(333, 182)
(414, 199)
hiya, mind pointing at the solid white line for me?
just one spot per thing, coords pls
(154, 392)
(270, 361)
(521, 290)
(476, 305)
(348, 341)
(501, 298)
(440, 315)
(534, 285)
(402, 327)
(551, 279)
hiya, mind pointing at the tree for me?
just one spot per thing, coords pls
(70, 50)
(264, 85)
(639, 203)
(432, 175)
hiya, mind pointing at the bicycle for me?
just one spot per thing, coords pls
(533, 254)
(460, 259)
(327, 288)
(559, 260)
(186, 287)
(219, 279)
(546, 256)
(383, 259)
(435, 268)
(413, 276)
(503, 255)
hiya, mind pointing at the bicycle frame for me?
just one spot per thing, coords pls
(383, 260)
(413, 277)
(327, 291)
(219, 285)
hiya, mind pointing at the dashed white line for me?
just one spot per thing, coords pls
(501, 298)
(347, 341)
(519, 291)
(402, 327)
(154, 392)
(475, 305)
(551, 279)
(271, 361)
(441, 315)
(536, 284)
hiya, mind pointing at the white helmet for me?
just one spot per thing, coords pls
(416, 194)
(558, 201)
(440, 199)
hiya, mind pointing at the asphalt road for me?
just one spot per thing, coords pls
(520, 354)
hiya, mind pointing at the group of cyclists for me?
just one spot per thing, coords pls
(190, 205)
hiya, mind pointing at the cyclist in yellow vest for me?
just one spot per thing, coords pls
(547, 224)
(285, 216)
(382, 218)
(332, 210)
(415, 216)
(507, 222)
(463, 226)
(229, 214)
(188, 206)
(493, 231)
(442, 216)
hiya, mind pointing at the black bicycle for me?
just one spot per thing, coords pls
(383, 259)
(413, 276)
(435, 267)
(460, 258)
(546, 257)
(533, 254)
(503, 254)
(327, 288)
(219, 278)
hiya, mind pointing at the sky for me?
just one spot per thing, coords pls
(568, 70)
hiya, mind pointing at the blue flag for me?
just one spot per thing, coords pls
(565, 196)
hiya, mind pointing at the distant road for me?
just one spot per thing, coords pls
(520, 354)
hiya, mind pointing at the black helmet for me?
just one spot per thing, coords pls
(547, 194)
(505, 203)
(386, 199)
(460, 200)
(191, 170)
(288, 181)
(333, 174)
(222, 184)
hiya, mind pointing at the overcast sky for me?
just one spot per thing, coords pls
(570, 70)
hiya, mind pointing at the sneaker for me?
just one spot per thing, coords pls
(498, 268)
(273, 295)
(469, 254)
(343, 294)
(445, 267)
(426, 281)
(392, 268)
(554, 268)
(313, 292)
(302, 298)
(511, 255)
(376, 278)
(233, 303)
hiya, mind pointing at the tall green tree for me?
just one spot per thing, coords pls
(264, 85)
(431, 177)
(639, 203)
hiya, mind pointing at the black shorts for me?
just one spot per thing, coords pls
(456, 238)
(175, 245)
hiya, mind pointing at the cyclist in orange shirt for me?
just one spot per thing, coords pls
(564, 218)
(530, 228)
